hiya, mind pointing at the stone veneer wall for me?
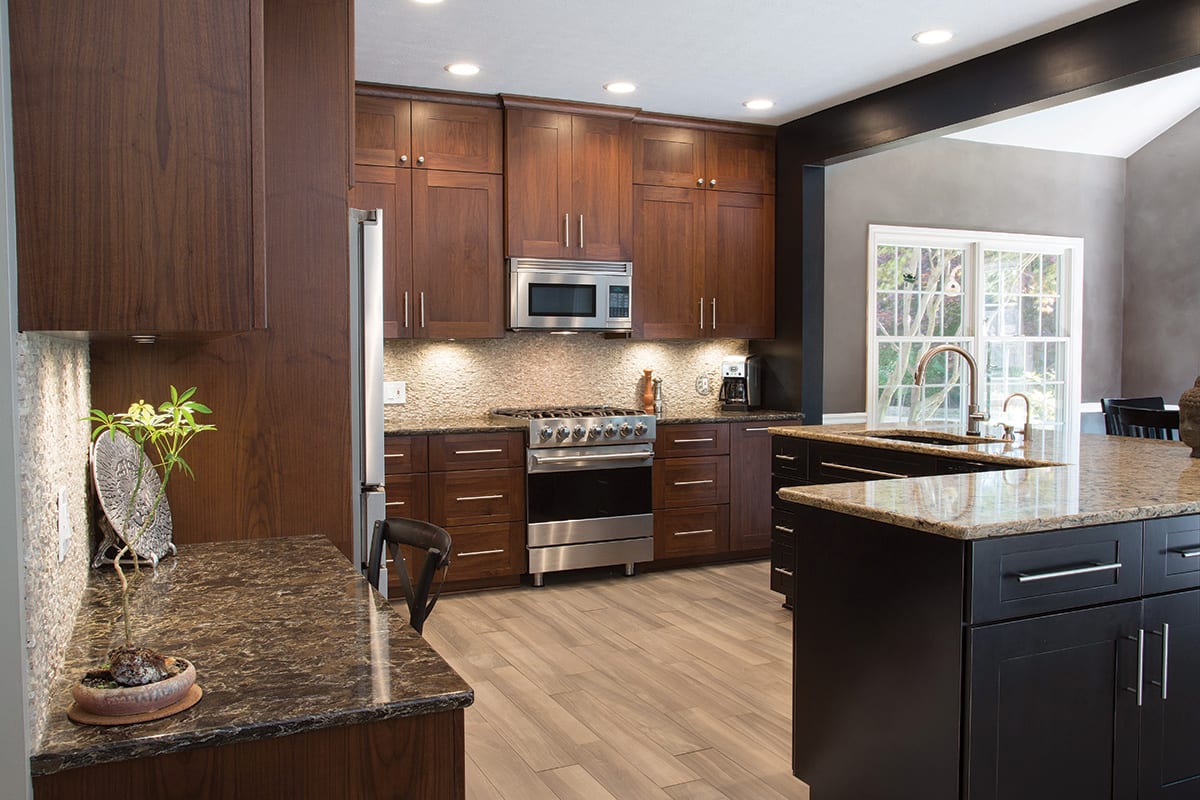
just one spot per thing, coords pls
(53, 395)
(462, 378)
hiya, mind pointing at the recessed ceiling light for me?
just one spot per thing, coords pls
(759, 104)
(620, 87)
(462, 69)
(938, 36)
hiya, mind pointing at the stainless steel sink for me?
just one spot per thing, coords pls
(930, 437)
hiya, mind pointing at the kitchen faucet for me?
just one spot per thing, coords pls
(974, 416)
(1028, 429)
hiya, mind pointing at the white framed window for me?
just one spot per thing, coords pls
(1013, 301)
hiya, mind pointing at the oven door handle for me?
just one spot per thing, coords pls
(598, 457)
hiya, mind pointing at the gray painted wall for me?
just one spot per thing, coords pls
(957, 184)
(14, 760)
(1161, 354)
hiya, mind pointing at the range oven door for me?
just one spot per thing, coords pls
(589, 494)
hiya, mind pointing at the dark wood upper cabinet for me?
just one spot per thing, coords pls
(138, 160)
(568, 182)
(740, 234)
(694, 158)
(668, 257)
(395, 132)
(390, 189)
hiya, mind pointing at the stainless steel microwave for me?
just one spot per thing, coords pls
(561, 295)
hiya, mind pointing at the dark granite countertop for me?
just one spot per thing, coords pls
(763, 415)
(286, 637)
(395, 425)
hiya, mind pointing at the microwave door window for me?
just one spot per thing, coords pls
(562, 300)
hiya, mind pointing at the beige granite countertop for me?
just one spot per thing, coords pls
(1098, 479)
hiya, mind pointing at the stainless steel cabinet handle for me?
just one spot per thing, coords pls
(863, 470)
(1166, 637)
(701, 313)
(1189, 553)
(581, 231)
(477, 452)
(394, 455)
(1029, 577)
(482, 497)
(783, 571)
(422, 309)
(755, 430)
(782, 457)
(1141, 645)
(406, 308)
(420, 159)
(692, 533)
(478, 553)
(785, 529)
(395, 503)
(691, 441)
(692, 483)
(566, 230)
(404, 159)
(714, 309)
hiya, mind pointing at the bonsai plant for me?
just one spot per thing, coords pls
(161, 434)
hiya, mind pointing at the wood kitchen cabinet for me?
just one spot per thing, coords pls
(689, 157)
(691, 490)
(397, 132)
(568, 180)
(138, 143)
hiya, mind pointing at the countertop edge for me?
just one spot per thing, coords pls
(941, 451)
(476, 425)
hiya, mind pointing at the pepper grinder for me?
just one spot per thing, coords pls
(647, 390)
(658, 401)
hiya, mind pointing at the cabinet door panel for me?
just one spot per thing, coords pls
(458, 266)
(458, 451)
(666, 156)
(475, 497)
(1048, 714)
(537, 183)
(388, 188)
(602, 175)
(486, 551)
(668, 262)
(1170, 768)
(740, 162)
(1170, 561)
(407, 496)
(688, 482)
(740, 236)
(405, 454)
(699, 531)
(750, 486)
(460, 138)
(699, 439)
(381, 131)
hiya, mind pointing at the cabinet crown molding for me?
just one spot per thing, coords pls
(568, 106)
(430, 95)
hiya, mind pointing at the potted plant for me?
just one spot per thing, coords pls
(138, 679)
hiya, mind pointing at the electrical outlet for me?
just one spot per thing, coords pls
(703, 387)
(64, 524)
(394, 393)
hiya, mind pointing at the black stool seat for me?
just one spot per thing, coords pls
(1110, 416)
(421, 536)
(1147, 423)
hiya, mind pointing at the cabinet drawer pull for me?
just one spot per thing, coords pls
(1189, 553)
(394, 455)
(395, 503)
(478, 452)
(692, 533)
(1029, 577)
(863, 470)
(786, 572)
(482, 497)
(785, 529)
(480, 553)
(566, 230)
(691, 441)
(782, 457)
(701, 313)
(755, 430)
(692, 483)
(405, 308)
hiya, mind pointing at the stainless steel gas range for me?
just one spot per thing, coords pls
(588, 487)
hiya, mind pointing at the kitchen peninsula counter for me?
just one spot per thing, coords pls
(396, 425)
(304, 667)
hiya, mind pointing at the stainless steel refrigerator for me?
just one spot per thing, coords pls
(366, 380)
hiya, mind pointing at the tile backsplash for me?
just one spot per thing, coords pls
(460, 378)
(53, 396)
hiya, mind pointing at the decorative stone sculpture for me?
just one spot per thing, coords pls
(1189, 418)
(128, 501)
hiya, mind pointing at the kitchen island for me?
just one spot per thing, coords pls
(1029, 631)
(313, 686)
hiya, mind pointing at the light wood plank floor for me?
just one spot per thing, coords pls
(665, 685)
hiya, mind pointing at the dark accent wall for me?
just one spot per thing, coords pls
(279, 464)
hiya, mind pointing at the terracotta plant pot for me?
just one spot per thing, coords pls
(125, 700)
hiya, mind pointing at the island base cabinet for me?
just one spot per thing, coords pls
(403, 757)
(1053, 706)
(1170, 768)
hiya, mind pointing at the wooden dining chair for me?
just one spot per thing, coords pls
(1110, 418)
(1147, 423)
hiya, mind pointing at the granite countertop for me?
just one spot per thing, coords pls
(396, 425)
(1097, 479)
(286, 637)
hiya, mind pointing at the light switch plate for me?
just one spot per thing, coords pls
(64, 524)
(394, 393)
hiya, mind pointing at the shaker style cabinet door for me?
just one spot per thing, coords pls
(389, 188)
(669, 157)
(537, 181)
(602, 176)
(459, 138)
(740, 162)
(668, 261)
(740, 237)
(1170, 767)
(382, 131)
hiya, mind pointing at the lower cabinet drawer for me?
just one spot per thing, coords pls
(783, 578)
(486, 551)
(691, 482)
(1172, 554)
(407, 496)
(477, 496)
(691, 531)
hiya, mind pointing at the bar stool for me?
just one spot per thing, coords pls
(421, 536)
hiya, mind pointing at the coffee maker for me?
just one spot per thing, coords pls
(741, 383)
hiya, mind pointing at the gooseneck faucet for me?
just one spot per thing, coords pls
(974, 416)
(1028, 429)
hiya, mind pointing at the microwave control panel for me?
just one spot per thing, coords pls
(618, 302)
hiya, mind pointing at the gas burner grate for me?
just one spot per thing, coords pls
(565, 411)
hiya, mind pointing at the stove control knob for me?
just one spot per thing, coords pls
(639, 429)
(546, 433)
(595, 432)
(610, 431)
(564, 432)
(580, 432)
(624, 428)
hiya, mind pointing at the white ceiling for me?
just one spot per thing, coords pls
(694, 57)
(1115, 124)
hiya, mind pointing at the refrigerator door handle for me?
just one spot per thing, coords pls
(372, 351)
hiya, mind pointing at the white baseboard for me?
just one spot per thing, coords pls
(848, 418)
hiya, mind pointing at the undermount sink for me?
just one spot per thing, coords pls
(930, 437)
